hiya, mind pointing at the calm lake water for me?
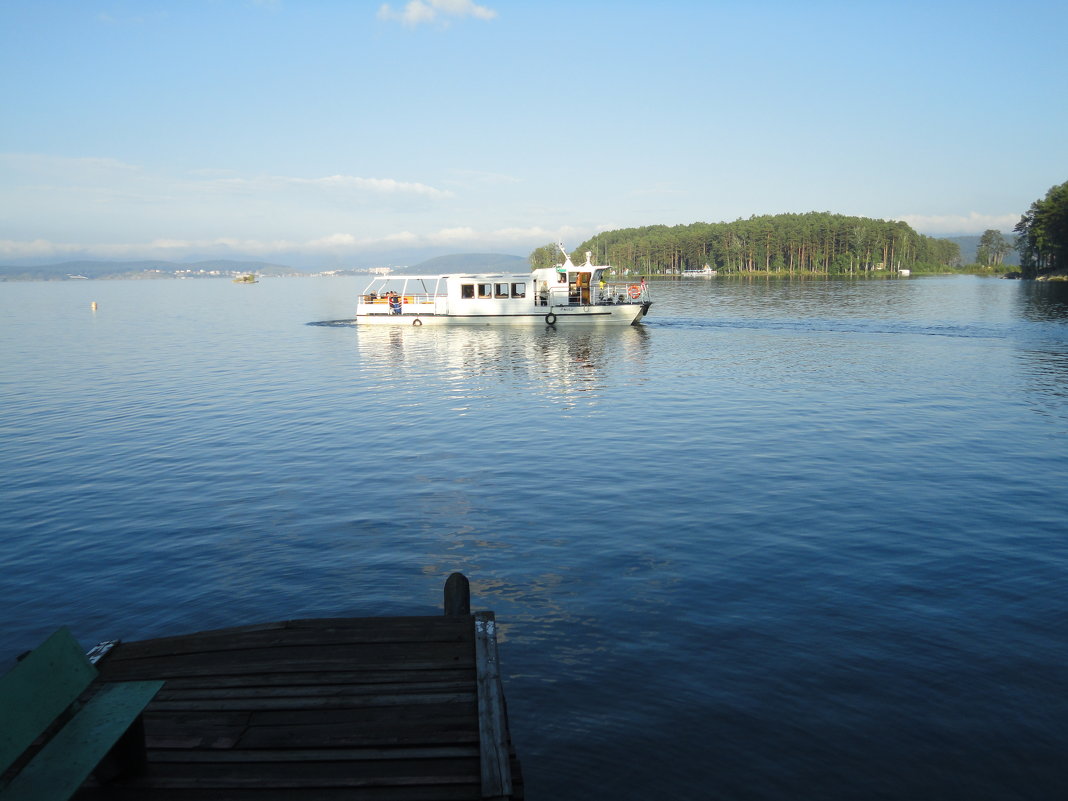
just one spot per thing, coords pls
(785, 540)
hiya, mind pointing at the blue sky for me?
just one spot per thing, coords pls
(361, 132)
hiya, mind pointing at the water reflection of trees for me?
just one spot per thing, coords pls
(1044, 301)
(1045, 359)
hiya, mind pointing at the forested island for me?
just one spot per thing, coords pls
(816, 243)
(822, 243)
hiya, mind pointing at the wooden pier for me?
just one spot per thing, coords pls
(390, 709)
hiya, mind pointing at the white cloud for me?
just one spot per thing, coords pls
(341, 243)
(37, 248)
(157, 248)
(419, 12)
(972, 223)
(105, 173)
(377, 186)
(334, 241)
(539, 235)
(448, 236)
(522, 238)
(63, 167)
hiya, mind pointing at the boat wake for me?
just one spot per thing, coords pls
(334, 323)
(816, 326)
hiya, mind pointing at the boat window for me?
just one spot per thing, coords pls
(485, 290)
(519, 290)
(500, 290)
(467, 290)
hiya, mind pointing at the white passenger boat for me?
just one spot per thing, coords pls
(560, 295)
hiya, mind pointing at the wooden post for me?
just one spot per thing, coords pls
(492, 719)
(457, 595)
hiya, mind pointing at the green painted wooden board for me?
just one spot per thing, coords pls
(37, 690)
(69, 757)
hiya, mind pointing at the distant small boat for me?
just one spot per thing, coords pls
(705, 271)
(248, 278)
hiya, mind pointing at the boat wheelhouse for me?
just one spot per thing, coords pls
(562, 295)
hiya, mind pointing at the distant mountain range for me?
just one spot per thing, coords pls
(226, 268)
(74, 270)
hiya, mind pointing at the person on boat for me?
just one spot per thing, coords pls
(394, 303)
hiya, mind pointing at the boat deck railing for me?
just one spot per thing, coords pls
(422, 297)
(608, 295)
(618, 294)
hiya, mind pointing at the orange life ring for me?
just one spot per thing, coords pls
(634, 291)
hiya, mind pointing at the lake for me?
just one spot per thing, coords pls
(786, 539)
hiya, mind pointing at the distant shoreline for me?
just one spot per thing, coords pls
(154, 269)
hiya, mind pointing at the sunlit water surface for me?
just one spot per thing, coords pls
(786, 539)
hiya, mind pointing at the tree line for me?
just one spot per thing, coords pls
(812, 243)
(1042, 234)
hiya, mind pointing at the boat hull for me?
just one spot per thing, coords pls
(557, 316)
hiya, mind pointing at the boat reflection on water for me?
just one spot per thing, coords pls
(558, 363)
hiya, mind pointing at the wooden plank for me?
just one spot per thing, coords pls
(282, 659)
(213, 718)
(283, 650)
(333, 690)
(312, 702)
(189, 730)
(38, 690)
(437, 732)
(70, 756)
(379, 716)
(449, 792)
(356, 623)
(492, 726)
(325, 774)
(319, 754)
(213, 672)
(354, 677)
(414, 631)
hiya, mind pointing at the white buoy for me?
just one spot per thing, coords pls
(93, 305)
